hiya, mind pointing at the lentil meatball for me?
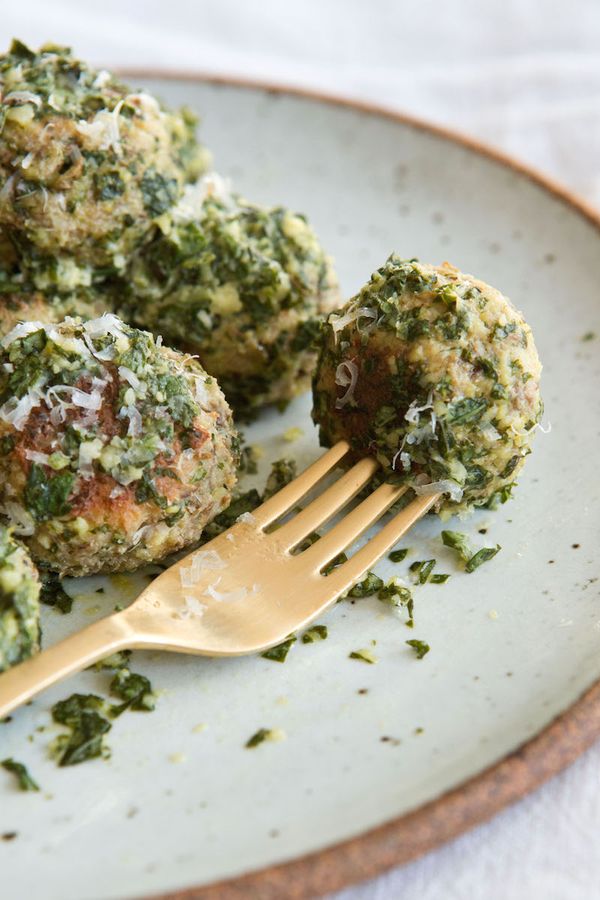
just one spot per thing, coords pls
(116, 451)
(86, 163)
(437, 375)
(240, 285)
(19, 602)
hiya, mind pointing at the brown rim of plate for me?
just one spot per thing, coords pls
(479, 798)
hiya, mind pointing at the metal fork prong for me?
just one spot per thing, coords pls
(327, 504)
(346, 575)
(285, 499)
(352, 526)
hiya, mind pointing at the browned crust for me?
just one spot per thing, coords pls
(476, 800)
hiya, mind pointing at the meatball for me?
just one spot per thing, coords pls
(86, 164)
(240, 285)
(19, 602)
(436, 374)
(115, 450)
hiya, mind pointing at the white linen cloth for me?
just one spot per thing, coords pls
(521, 74)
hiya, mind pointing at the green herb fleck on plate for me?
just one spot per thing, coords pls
(83, 715)
(459, 542)
(482, 556)
(370, 584)
(422, 570)
(264, 734)
(24, 779)
(421, 648)
(135, 690)
(52, 593)
(280, 651)
(364, 655)
(314, 634)
(397, 556)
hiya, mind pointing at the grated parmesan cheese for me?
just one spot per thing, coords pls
(346, 374)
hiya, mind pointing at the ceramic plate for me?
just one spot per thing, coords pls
(181, 802)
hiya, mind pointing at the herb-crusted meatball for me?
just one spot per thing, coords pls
(240, 285)
(436, 374)
(114, 450)
(19, 602)
(86, 164)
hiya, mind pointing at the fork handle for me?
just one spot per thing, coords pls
(77, 652)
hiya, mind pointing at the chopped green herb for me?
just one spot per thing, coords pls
(482, 556)
(243, 503)
(315, 633)
(280, 651)
(261, 735)
(459, 542)
(364, 655)
(118, 660)
(248, 464)
(397, 595)
(83, 715)
(46, 495)
(589, 336)
(335, 563)
(421, 648)
(24, 779)
(135, 690)
(422, 570)
(397, 556)
(53, 594)
(439, 578)
(369, 585)
(264, 734)
(470, 409)
(282, 472)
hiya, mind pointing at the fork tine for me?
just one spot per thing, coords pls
(342, 578)
(352, 526)
(292, 493)
(325, 506)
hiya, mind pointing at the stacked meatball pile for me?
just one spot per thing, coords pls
(103, 206)
(117, 450)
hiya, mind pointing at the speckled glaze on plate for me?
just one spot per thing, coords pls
(384, 760)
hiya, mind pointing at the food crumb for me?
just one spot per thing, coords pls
(265, 734)
(364, 655)
(197, 729)
(292, 434)
(493, 614)
(177, 758)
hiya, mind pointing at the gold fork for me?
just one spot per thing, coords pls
(246, 590)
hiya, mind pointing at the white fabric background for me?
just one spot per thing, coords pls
(521, 74)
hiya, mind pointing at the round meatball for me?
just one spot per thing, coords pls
(19, 602)
(436, 374)
(115, 450)
(86, 163)
(240, 285)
